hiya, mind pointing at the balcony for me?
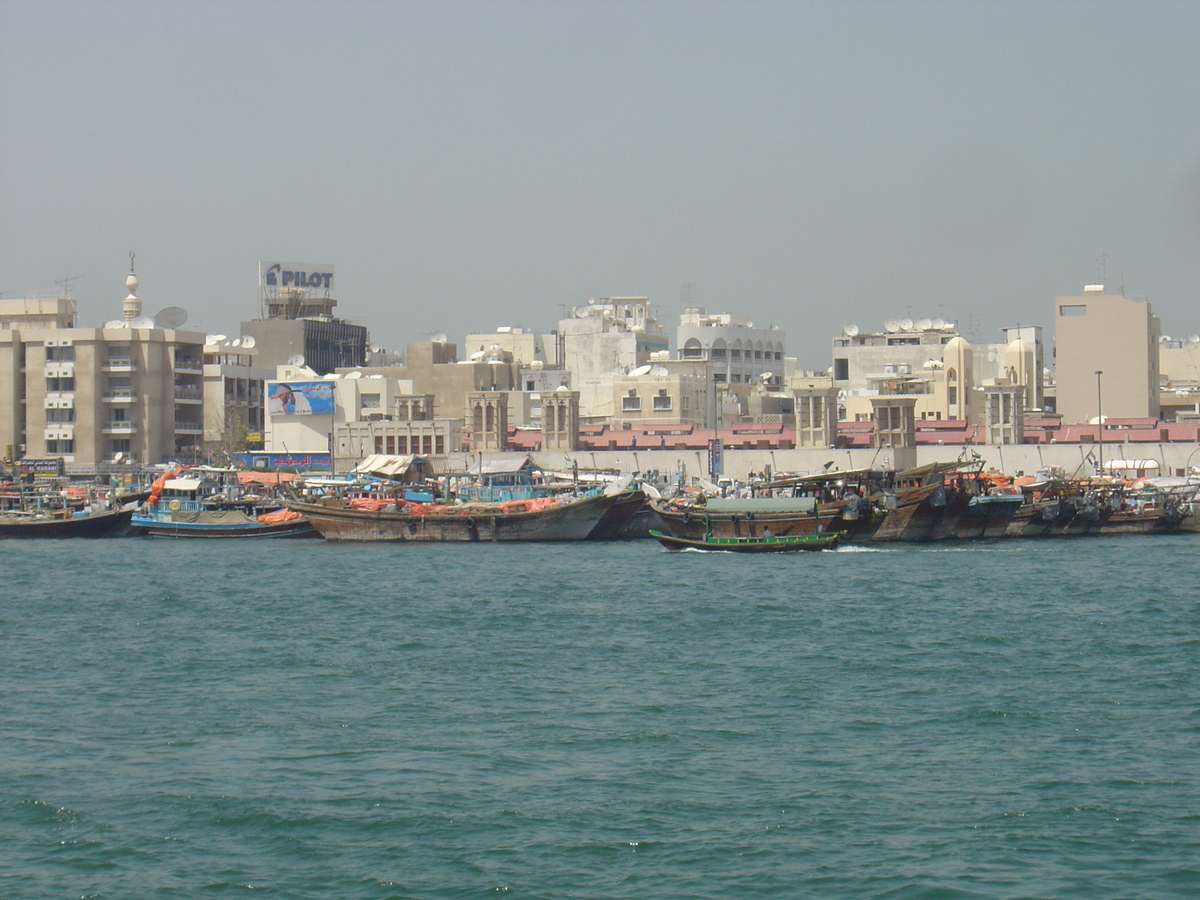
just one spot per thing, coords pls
(118, 364)
(189, 393)
(190, 366)
(117, 395)
(188, 427)
(115, 427)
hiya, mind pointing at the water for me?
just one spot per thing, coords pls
(307, 720)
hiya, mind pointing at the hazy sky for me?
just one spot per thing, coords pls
(469, 165)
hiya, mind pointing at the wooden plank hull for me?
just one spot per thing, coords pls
(114, 523)
(810, 542)
(299, 528)
(616, 523)
(567, 522)
(694, 523)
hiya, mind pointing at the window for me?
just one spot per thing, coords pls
(58, 447)
(370, 401)
(60, 415)
(119, 445)
(119, 414)
(662, 402)
(841, 370)
(60, 354)
(1072, 310)
(54, 385)
(631, 404)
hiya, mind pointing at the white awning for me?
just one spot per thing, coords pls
(385, 466)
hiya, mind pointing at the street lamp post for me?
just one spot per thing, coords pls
(1100, 422)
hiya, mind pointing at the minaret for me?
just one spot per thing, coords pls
(132, 307)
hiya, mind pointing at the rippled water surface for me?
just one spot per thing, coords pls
(311, 720)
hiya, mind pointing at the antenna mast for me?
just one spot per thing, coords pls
(66, 283)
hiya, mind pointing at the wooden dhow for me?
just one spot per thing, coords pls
(399, 521)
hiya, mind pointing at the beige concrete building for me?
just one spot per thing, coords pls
(98, 395)
(523, 347)
(234, 396)
(1119, 336)
(659, 396)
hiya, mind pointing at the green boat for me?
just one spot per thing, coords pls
(764, 544)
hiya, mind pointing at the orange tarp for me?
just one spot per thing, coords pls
(280, 515)
(265, 477)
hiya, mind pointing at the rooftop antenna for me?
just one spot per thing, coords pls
(66, 283)
(1102, 266)
(685, 294)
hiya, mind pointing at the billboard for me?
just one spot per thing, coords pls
(716, 458)
(257, 460)
(312, 276)
(299, 398)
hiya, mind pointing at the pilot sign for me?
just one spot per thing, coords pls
(312, 276)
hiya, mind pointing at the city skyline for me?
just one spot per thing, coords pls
(474, 165)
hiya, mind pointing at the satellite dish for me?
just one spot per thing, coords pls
(1194, 339)
(296, 359)
(906, 324)
(354, 374)
(171, 317)
(938, 323)
(248, 342)
(767, 376)
(924, 323)
(658, 370)
(214, 338)
(850, 329)
(1166, 338)
(115, 323)
(142, 322)
(438, 337)
(947, 326)
(375, 348)
(641, 370)
(891, 326)
(477, 355)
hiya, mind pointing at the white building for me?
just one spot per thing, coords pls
(739, 352)
(614, 334)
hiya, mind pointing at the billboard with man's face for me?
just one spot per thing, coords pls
(299, 398)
